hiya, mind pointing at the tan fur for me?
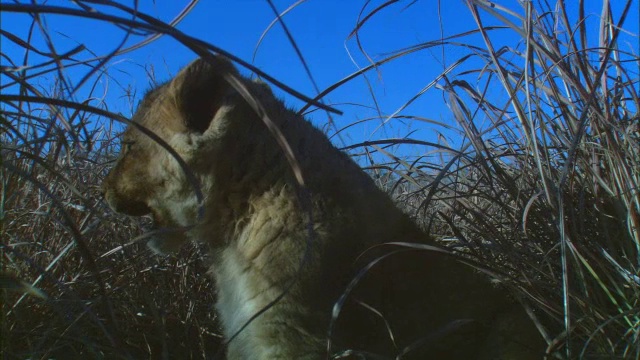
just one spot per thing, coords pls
(256, 222)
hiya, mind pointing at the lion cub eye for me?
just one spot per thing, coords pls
(127, 145)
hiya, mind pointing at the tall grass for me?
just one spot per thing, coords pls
(541, 188)
(553, 180)
(544, 187)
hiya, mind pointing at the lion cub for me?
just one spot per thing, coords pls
(282, 255)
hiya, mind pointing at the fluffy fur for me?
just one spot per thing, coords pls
(257, 223)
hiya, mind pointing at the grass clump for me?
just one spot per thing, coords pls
(544, 186)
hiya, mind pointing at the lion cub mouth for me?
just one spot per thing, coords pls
(131, 208)
(165, 237)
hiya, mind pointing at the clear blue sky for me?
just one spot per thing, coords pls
(320, 28)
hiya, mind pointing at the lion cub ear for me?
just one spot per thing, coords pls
(199, 90)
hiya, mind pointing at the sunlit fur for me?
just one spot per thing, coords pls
(265, 232)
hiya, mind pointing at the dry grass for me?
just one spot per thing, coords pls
(542, 189)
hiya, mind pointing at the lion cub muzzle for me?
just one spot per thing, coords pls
(122, 196)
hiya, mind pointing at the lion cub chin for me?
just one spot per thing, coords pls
(284, 256)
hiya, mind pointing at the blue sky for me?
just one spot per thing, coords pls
(320, 28)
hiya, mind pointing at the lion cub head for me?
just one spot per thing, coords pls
(167, 150)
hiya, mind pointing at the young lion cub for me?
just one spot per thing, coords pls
(284, 255)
